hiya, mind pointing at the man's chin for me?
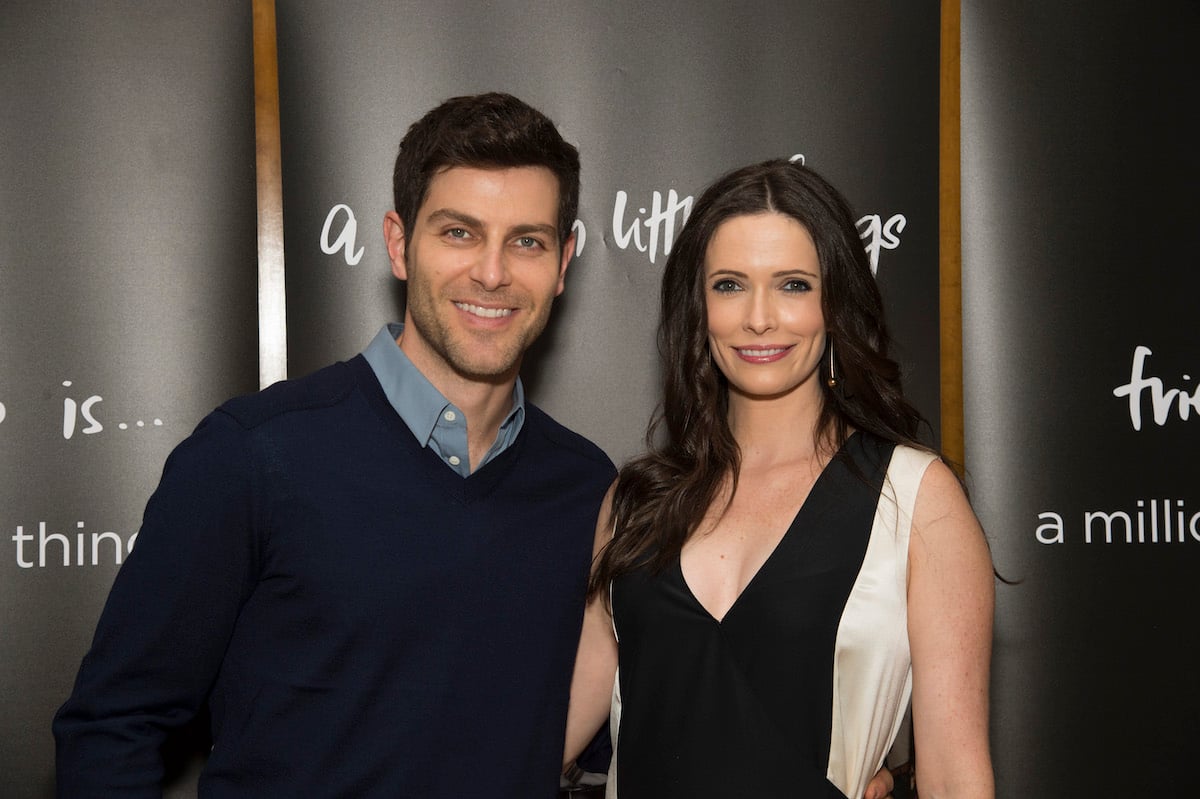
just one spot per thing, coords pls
(496, 371)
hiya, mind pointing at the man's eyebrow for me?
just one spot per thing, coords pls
(450, 215)
(545, 230)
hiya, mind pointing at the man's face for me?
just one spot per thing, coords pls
(483, 266)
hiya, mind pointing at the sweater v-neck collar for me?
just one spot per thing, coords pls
(441, 477)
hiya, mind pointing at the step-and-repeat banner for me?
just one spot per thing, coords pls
(1082, 365)
(127, 268)
(128, 303)
(660, 98)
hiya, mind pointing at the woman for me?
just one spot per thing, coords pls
(787, 547)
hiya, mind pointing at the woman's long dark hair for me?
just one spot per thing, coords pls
(662, 496)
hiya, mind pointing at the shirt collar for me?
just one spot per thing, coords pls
(417, 401)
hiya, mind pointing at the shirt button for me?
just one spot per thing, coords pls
(449, 416)
(454, 459)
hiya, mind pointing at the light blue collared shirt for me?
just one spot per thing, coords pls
(432, 418)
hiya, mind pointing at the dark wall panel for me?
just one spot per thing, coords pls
(1079, 206)
(127, 307)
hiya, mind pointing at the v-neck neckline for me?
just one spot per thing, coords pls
(439, 475)
(778, 545)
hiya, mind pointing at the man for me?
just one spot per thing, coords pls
(374, 575)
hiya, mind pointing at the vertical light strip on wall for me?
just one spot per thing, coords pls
(272, 310)
(950, 239)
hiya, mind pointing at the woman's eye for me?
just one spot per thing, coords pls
(797, 285)
(726, 286)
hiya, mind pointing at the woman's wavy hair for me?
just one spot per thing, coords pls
(662, 496)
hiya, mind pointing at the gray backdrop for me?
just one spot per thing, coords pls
(128, 255)
(660, 98)
(127, 306)
(1080, 175)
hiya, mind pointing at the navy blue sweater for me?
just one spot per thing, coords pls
(361, 620)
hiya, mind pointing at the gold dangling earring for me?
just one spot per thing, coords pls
(832, 380)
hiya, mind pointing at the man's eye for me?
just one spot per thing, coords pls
(528, 242)
(457, 233)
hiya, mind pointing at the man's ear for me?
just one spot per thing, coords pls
(568, 251)
(393, 239)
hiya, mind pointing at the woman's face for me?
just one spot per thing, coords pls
(766, 330)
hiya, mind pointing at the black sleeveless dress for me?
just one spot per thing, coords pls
(742, 707)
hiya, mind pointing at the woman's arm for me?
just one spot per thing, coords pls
(950, 601)
(596, 660)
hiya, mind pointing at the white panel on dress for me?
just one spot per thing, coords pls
(872, 672)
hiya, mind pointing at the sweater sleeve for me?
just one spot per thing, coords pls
(168, 619)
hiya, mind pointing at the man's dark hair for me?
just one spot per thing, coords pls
(488, 131)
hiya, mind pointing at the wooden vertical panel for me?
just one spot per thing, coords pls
(272, 313)
(950, 238)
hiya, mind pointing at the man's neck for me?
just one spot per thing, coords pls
(485, 402)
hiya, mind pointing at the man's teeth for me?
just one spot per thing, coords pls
(762, 353)
(487, 313)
